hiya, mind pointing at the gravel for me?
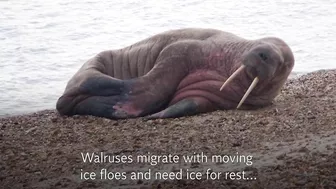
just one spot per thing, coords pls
(292, 142)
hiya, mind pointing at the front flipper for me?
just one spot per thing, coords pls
(186, 107)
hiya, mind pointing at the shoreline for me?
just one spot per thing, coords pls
(292, 76)
(293, 143)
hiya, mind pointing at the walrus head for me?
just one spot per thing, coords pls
(271, 60)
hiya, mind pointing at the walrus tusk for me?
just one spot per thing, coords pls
(253, 84)
(232, 76)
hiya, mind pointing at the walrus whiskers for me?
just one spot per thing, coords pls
(232, 76)
(253, 84)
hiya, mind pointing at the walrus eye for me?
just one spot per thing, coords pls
(263, 56)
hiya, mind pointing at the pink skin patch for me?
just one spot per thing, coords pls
(126, 110)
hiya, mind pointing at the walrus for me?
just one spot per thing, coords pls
(179, 73)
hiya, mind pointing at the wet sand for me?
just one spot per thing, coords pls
(293, 144)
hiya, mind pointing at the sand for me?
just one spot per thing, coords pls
(292, 143)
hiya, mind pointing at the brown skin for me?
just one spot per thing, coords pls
(178, 73)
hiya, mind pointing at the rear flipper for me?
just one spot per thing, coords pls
(95, 96)
(101, 106)
(186, 107)
(111, 98)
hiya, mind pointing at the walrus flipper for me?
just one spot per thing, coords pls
(186, 107)
(95, 96)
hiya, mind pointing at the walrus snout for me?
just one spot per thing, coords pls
(262, 62)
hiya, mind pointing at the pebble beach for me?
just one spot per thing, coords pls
(293, 143)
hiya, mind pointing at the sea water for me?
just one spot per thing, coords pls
(43, 43)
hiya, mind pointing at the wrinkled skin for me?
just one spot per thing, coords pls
(178, 73)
